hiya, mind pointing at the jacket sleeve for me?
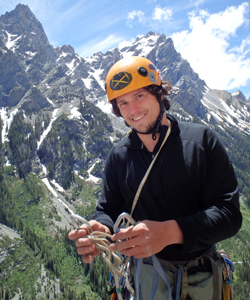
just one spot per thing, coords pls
(220, 217)
(111, 201)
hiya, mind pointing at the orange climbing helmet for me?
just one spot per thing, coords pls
(129, 74)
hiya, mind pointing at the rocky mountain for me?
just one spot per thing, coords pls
(57, 127)
(55, 118)
(61, 97)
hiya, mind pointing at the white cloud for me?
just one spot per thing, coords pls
(208, 50)
(199, 2)
(135, 14)
(162, 14)
(244, 47)
(96, 45)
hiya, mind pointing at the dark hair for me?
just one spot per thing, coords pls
(164, 89)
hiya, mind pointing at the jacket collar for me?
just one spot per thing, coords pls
(134, 142)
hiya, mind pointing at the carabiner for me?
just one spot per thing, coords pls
(122, 217)
(127, 281)
(76, 219)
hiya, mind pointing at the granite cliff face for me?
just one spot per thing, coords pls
(58, 99)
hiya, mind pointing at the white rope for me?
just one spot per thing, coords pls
(148, 171)
(116, 264)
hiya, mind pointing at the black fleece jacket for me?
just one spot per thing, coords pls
(192, 182)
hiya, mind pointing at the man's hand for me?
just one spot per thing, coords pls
(84, 244)
(146, 238)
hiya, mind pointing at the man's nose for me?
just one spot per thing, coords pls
(133, 107)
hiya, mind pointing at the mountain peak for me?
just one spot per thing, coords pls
(25, 37)
(150, 33)
(238, 95)
(21, 11)
(66, 48)
(22, 8)
(21, 22)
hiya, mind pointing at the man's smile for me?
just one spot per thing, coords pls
(138, 118)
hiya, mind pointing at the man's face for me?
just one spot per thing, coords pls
(140, 109)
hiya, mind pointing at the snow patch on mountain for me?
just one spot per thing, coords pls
(91, 177)
(47, 130)
(105, 106)
(12, 39)
(235, 93)
(97, 75)
(74, 113)
(222, 112)
(7, 120)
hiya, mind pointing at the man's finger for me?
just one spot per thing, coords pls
(83, 242)
(124, 234)
(76, 234)
(87, 258)
(86, 250)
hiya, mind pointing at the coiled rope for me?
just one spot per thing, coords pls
(102, 240)
(118, 264)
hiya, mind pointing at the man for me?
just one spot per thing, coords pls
(189, 201)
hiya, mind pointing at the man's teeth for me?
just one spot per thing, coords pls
(138, 118)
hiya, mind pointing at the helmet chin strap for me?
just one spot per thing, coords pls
(156, 128)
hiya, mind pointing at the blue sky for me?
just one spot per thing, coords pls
(213, 35)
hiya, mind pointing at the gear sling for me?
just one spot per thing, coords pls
(186, 277)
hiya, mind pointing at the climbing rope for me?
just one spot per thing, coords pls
(117, 263)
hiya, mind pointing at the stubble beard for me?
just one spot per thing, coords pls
(148, 130)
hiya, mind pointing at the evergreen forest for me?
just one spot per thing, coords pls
(42, 263)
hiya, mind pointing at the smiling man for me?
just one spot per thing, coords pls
(140, 110)
(189, 200)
